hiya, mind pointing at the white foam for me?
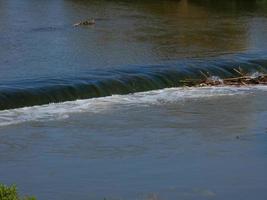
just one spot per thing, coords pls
(56, 111)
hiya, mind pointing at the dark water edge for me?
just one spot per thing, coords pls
(123, 81)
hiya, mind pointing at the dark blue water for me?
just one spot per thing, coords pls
(101, 112)
(93, 84)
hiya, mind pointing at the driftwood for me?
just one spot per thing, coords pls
(88, 22)
(243, 79)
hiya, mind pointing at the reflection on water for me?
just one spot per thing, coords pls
(144, 32)
(187, 29)
(233, 7)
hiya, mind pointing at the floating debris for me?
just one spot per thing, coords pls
(88, 22)
(244, 79)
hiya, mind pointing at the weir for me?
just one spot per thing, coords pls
(122, 81)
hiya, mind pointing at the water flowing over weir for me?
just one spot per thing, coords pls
(122, 81)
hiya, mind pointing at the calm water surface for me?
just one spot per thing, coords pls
(172, 143)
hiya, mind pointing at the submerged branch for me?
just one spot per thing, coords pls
(243, 79)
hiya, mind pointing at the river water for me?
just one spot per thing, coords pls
(98, 112)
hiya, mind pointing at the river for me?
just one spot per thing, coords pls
(99, 112)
